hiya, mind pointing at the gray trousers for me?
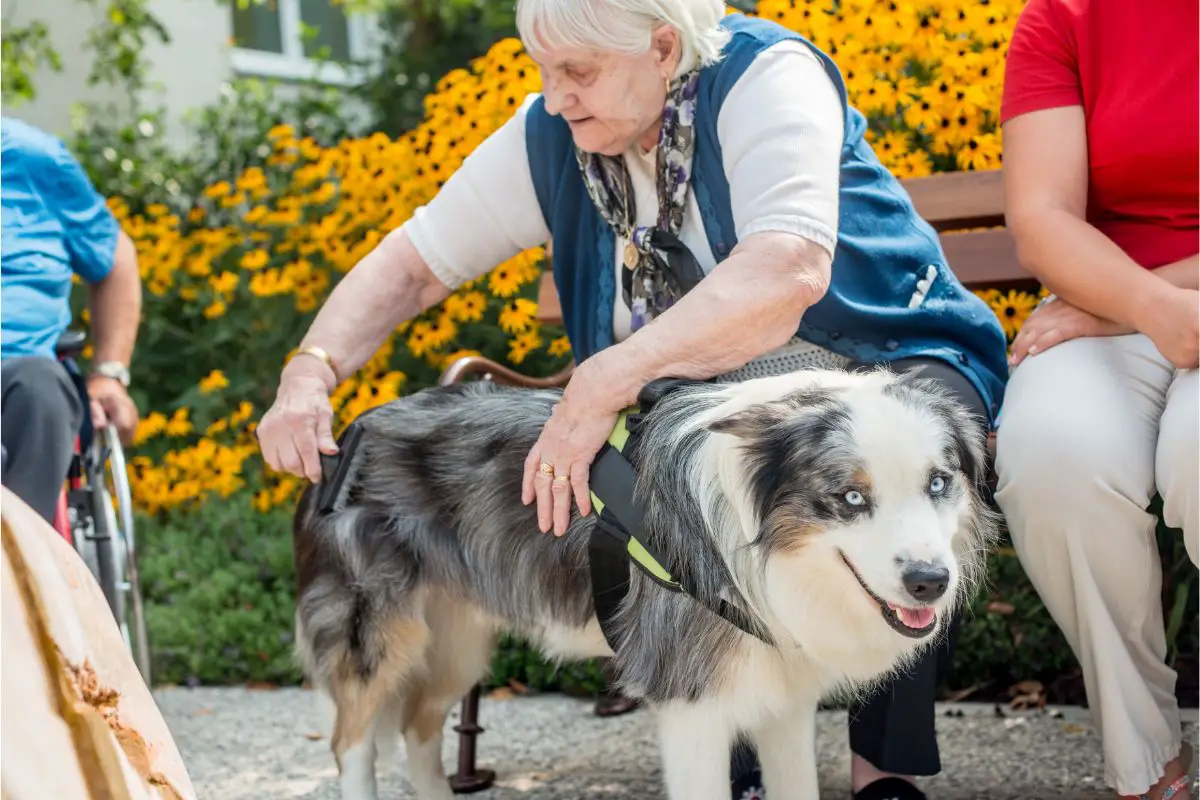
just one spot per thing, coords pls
(40, 414)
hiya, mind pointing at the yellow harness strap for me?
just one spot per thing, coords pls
(618, 439)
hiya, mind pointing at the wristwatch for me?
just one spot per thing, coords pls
(115, 370)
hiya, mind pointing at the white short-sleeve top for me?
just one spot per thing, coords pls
(780, 129)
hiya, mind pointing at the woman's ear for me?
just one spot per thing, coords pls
(667, 47)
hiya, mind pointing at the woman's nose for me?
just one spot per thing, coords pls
(557, 100)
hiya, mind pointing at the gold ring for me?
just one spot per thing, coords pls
(562, 478)
(546, 469)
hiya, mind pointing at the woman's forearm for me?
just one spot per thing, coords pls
(748, 305)
(390, 285)
(1184, 273)
(1081, 265)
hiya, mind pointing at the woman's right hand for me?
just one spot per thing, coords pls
(299, 425)
(1174, 327)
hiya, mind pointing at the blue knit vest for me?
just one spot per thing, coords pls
(873, 310)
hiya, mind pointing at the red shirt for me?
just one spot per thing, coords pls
(1135, 69)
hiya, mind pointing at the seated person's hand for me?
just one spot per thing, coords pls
(1174, 327)
(1056, 322)
(111, 404)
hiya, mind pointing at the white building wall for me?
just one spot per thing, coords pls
(186, 73)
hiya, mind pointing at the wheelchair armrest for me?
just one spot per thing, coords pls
(70, 344)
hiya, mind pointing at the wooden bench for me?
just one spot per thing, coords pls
(967, 210)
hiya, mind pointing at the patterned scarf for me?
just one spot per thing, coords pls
(659, 269)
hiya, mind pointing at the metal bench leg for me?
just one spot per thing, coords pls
(468, 779)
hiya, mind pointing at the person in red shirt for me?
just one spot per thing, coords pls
(1101, 128)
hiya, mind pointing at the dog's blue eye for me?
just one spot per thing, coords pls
(937, 485)
(855, 498)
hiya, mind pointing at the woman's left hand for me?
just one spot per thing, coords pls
(559, 463)
(1056, 322)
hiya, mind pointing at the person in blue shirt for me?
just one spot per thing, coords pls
(56, 226)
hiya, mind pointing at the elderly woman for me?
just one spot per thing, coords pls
(1100, 165)
(716, 214)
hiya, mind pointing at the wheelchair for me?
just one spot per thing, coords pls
(101, 530)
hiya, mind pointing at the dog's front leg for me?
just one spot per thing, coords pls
(787, 751)
(695, 745)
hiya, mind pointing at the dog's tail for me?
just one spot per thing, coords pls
(359, 627)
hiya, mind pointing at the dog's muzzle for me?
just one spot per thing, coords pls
(915, 623)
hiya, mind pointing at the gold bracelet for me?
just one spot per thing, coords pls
(313, 350)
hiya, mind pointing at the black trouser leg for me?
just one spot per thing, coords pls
(40, 414)
(894, 728)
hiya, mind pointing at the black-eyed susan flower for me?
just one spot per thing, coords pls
(1013, 309)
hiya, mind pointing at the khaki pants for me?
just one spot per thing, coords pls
(1090, 430)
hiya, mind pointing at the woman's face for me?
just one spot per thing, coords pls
(609, 100)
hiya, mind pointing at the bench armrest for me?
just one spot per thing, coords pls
(492, 371)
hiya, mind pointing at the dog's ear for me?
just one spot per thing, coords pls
(751, 422)
(757, 419)
(970, 442)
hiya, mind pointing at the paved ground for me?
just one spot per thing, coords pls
(240, 744)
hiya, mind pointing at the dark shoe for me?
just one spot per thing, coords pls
(614, 704)
(890, 789)
(749, 787)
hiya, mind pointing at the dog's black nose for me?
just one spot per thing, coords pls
(926, 582)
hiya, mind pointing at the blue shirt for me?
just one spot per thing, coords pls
(55, 226)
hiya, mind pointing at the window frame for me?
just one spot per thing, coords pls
(292, 64)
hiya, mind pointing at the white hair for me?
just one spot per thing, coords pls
(625, 26)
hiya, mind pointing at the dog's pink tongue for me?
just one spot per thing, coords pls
(915, 617)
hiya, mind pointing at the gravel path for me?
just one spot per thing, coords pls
(240, 744)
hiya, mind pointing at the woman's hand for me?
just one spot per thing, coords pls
(1056, 322)
(299, 425)
(559, 463)
(1174, 327)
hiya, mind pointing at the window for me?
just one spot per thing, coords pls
(288, 39)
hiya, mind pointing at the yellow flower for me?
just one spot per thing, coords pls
(150, 426)
(504, 281)
(981, 152)
(215, 309)
(179, 424)
(560, 346)
(467, 307)
(523, 344)
(255, 259)
(223, 284)
(219, 189)
(1013, 309)
(213, 382)
(281, 131)
(517, 315)
(229, 201)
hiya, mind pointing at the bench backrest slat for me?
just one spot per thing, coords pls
(951, 201)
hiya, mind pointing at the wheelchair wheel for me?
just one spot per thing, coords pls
(130, 609)
(104, 537)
